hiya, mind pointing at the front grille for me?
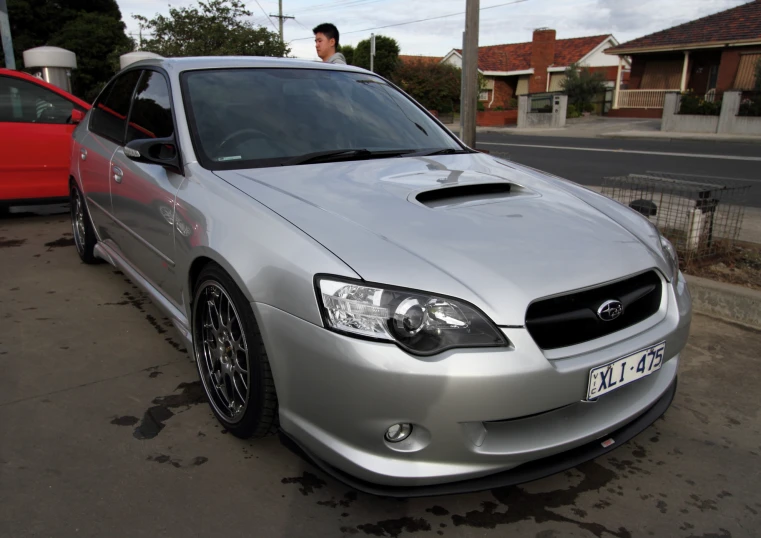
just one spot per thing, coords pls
(572, 319)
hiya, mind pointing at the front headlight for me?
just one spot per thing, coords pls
(671, 256)
(418, 322)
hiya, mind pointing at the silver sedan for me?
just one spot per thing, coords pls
(415, 316)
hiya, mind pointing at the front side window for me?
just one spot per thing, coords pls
(22, 101)
(151, 115)
(109, 115)
(255, 117)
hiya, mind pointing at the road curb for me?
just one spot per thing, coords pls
(675, 137)
(726, 301)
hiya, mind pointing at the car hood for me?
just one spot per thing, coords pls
(448, 225)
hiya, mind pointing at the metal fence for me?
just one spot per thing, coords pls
(701, 215)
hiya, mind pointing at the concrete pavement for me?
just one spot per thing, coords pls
(104, 432)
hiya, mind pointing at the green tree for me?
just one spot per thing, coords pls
(214, 28)
(435, 86)
(101, 36)
(582, 85)
(91, 29)
(386, 55)
(348, 52)
(757, 85)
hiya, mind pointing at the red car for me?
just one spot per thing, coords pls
(35, 139)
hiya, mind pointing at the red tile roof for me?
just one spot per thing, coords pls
(420, 59)
(736, 24)
(517, 56)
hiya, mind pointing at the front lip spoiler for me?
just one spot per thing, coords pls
(524, 473)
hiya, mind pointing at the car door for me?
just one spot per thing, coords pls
(142, 194)
(106, 131)
(35, 137)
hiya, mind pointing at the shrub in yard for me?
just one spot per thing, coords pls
(513, 103)
(589, 107)
(696, 105)
(572, 112)
(582, 85)
(481, 106)
(436, 87)
(750, 107)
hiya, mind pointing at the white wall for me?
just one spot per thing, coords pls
(456, 61)
(600, 59)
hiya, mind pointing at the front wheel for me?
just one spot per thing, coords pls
(231, 358)
(84, 235)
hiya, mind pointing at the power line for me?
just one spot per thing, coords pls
(338, 5)
(265, 14)
(416, 21)
(299, 23)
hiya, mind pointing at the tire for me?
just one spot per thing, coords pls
(230, 357)
(84, 235)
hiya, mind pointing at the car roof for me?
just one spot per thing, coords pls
(34, 80)
(227, 62)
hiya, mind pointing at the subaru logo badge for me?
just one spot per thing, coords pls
(610, 310)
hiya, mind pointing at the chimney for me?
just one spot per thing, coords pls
(542, 57)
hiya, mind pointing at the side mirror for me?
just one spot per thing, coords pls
(77, 116)
(161, 151)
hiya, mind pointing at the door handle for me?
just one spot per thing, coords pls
(118, 174)
(83, 153)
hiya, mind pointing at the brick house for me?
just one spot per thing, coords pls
(537, 66)
(707, 56)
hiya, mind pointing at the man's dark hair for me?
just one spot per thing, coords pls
(328, 30)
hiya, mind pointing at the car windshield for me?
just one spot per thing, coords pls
(257, 117)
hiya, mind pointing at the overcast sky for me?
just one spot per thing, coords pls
(625, 19)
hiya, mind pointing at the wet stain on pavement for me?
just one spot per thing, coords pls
(394, 527)
(199, 460)
(724, 534)
(702, 505)
(62, 242)
(154, 417)
(8, 243)
(438, 511)
(522, 505)
(125, 421)
(308, 482)
(155, 324)
(163, 458)
(153, 422)
(154, 375)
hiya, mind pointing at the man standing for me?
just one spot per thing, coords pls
(326, 42)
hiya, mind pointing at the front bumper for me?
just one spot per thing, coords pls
(475, 413)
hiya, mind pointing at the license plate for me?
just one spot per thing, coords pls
(625, 370)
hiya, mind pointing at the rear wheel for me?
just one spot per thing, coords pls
(84, 235)
(231, 358)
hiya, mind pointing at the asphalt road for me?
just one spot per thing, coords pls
(588, 160)
(104, 431)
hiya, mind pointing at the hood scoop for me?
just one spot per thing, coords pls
(471, 194)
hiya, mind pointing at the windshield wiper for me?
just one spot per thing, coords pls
(444, 151)
(343, 155)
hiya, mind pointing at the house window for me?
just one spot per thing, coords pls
(746, 71)
(483, 96)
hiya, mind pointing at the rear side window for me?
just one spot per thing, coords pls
(109, 115)
(151, 115)
(22, 101)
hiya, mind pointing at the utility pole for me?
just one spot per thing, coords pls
(281, 18)
(372, 52)
(462, 86)
(469, 102)
(5, 33)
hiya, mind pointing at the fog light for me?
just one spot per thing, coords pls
(398, 432)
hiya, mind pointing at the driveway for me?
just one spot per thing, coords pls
(104, 432)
